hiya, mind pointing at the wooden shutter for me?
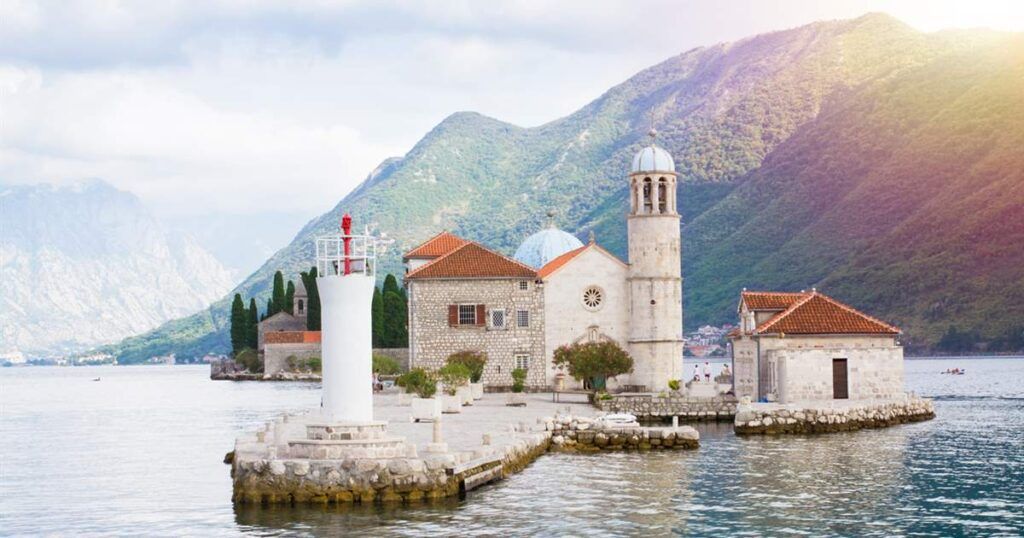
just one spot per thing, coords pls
(481, 315)
(453, 315)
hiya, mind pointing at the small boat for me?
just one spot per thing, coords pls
(95, 379)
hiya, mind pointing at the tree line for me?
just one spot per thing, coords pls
(389, 311)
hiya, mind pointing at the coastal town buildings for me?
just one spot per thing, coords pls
(807, 346)
(557, 291)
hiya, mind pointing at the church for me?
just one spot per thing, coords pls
(556, 290)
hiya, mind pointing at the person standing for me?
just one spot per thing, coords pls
(707, 371)
(696, 372)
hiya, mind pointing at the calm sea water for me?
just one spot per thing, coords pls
(140, 453)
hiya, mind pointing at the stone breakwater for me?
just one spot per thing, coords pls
(789, 419)
(581, 434)
(657, 407)
(261, 476)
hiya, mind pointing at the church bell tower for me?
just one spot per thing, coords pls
(655, 276)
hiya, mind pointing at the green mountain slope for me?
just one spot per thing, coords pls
(796, 149)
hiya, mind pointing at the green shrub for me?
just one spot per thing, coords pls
(384, 365)
(518, 380)
(314, 363)
(673, 384)
(453, 376)
(310, 364)
(473, 360)
(594, 361)
(250, 360)
(419, 382)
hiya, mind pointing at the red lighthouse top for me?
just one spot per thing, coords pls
(346, 224)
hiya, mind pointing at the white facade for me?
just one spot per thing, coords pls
(586, 300)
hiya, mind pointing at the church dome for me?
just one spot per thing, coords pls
(653, 159)
(544, 246)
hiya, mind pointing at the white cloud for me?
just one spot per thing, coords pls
(229, 106)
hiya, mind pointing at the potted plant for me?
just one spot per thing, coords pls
(453, 376)
(474, 361)
(516, 399)
(595, 362)
(419, 382)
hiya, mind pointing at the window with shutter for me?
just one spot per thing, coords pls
(481, 315)
(467, 314)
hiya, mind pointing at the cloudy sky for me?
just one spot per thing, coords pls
(231, 107)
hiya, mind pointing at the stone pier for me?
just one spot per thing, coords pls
(301, 459)
(649, 407)
(830, 416)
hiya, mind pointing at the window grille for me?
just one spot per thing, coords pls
(523, 318)
(467, 314)
(524, 285)
(498, 319)
(523, 361)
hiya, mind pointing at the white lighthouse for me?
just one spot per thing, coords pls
(346, 265)
(655, 276)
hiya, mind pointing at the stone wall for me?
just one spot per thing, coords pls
(432, 340)
(275, 356)
(849, 416)
(648, 407)
(582, 434)
(400, 354)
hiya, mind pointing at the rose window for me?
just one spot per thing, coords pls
(593, 297)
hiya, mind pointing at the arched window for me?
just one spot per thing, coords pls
(300, 305)
(662, 195)
(648, 201)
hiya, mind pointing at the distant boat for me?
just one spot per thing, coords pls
(95, 379)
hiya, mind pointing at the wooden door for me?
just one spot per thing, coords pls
(840, 384)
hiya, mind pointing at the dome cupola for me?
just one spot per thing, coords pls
(546, 245)
(653, 158)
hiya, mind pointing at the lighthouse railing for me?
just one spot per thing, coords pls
(361, 258)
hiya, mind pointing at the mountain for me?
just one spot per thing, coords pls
(88, 264)
(860, 156)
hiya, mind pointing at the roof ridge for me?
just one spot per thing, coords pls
(439, 258)
(430, 240)
(853, 310)
(775, 319)
(561, 260)
(496, 253)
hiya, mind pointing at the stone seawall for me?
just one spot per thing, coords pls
(657, 407)
(753, 419)
(580, 434)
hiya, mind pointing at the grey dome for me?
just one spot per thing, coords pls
(653, 159)
(544, 246)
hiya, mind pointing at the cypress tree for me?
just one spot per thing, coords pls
(277, 296)
(395, 333)
(390, 285)
(289, 298)
(377, 317)
(238, 322)
(252, 327)
(313, 310)
(270, 308)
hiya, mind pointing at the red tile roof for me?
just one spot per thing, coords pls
(770, 300)
(472, 261)
(439, 245)
(554, 264)
(291, 337)
(816, 313)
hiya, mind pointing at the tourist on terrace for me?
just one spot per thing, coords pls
(707, 371)
(696, 372)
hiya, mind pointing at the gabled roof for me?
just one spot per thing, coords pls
(472, 261)
(816, 313)
(439, 245)
(554, 265)
(770, 300)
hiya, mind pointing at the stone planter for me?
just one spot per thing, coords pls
(478, 390)
(465, 394)
(426, 409)
(451, 403)
(516, 399)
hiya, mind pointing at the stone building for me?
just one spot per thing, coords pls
(807, 346)
(465, 297)
(571, 291)
(283, 321)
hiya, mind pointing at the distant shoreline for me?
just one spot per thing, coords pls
(968, 357)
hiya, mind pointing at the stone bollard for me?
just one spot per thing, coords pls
(437, 432)
(437, 445)
(487, 439)
(261, 436)
(675, 421)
